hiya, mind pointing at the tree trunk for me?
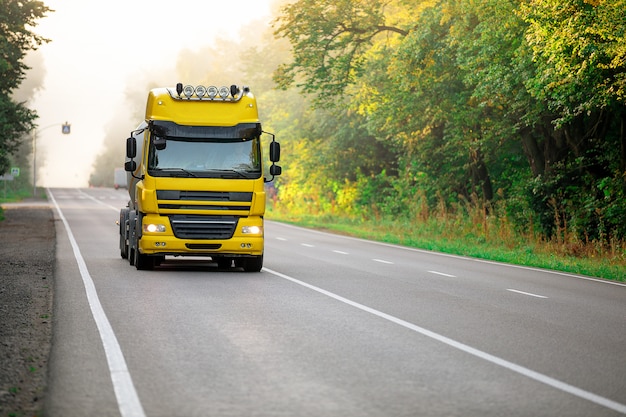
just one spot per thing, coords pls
(480, 174)
(533, 152)
(622, 133)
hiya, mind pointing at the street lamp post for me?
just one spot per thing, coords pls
(65, 129)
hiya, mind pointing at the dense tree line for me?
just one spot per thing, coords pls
(17, 18)
(509, 104)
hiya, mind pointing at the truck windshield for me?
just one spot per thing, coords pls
(204, 157)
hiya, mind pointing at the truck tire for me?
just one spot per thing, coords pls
(143, 262)
(253, 264)
(123, 222)
(224, 262)
(124, 242)
(132, 238)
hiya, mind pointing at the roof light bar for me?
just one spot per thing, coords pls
(200, 92)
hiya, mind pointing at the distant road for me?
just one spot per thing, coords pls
(332, 326)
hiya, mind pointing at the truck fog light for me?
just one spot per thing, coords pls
(251, 230)
(154, 228)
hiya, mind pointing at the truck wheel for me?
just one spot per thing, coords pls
(224, 263)
(123, 222)
(143, 262)
(158, 259)
(253, 264)
(123, 248)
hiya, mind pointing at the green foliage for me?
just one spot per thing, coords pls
(16, 17)
(21, 187)
(517, 107)
(556, 199)
(329, 39)
(579, 47)
(15, 121)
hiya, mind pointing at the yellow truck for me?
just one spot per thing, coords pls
(196, 179)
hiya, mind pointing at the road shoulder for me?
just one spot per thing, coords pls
(27, 259)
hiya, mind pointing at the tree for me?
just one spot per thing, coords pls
(16, 17)
(329, 39)
(578, 47)
(492, 99)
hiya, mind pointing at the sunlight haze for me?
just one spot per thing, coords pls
(96, 49)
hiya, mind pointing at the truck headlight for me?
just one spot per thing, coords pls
(251, 230)
(154, 228)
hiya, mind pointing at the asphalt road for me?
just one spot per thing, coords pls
(332, 326)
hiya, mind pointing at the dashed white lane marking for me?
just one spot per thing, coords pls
(281, 238)
(526, 293)
(447, 255)
(307, 245)
(85, 195)
(382, 261)
(340, 252)
(442, 274)
(539, 377)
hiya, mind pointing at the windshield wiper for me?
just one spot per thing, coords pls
(177, 171)
(235, 173)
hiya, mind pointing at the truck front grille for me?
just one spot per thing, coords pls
(178, 201)
(187, 226)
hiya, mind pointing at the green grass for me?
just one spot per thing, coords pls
(12, 195)
(466, 238)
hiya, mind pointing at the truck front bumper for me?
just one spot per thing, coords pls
(158, 238)
(168, 245)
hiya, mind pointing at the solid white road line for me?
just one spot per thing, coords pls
(127, 399)
(544, 379)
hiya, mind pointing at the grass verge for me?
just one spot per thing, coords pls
(459, 238)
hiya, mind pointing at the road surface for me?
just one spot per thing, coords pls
(332, 326)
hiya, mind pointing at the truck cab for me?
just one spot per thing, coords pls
(196, 179)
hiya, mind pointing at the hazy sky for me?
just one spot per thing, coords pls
(97, 47)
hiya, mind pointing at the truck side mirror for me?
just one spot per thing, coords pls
(131, 147)
(130, 166)
(274, 151)
(275, 170)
